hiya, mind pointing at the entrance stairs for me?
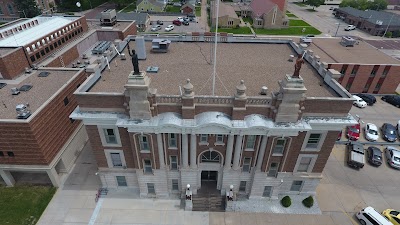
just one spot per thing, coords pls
(208, 198)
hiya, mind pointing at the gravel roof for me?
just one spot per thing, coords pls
(331, 51)
(257, 64)
(43, 88)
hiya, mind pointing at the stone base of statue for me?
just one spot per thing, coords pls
(137, 89)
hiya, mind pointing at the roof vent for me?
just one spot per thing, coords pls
(2, 85)
(264, 90)
(14, 91)
(25, 87)
(43, 74)
(23, 111)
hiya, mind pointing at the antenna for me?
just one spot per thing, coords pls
(215, 49)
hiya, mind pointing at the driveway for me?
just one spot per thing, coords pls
(194, 26)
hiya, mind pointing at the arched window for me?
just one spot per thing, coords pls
(10, 9)
(211, 156)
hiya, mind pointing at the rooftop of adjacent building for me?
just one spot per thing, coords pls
(257, 64)
(331, 51)
(43, 88)
(20, 34)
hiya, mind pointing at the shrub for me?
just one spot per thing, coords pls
(286, 201)
(388, 34)
(308, 202)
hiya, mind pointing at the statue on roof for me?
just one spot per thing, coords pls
(297, 65)
(135, 60)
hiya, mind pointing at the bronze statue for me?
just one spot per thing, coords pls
(135, 61)
(297, 65)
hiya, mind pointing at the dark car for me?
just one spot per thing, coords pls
(389, 132)
(177, 22)
(186, 23)
(369, 99)
(392, 99)
(374, 156)
(159, 22)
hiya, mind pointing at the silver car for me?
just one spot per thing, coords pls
(393, 156)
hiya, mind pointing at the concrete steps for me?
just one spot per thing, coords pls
(211, 203)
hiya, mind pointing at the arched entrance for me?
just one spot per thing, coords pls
(209, 175)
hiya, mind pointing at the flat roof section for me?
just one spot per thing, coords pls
(331, 51)
(42, 89)
(46, 25)
(257, 64)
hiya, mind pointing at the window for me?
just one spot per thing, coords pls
(373, 72)
(42, 52)
(33, 58)
(10, 9)
(147, 166)
(121, 181)
(116, 159)
(203, 138)
(385, 71)
(313, 140)
(174, 162)
(66, 101)
(273, 169)
(296, 185)
(246, 164)
(150, 188)
(172, 140)
(354, 70)
(369, 218)
(110, 137)
(267, 191)
(304, 164)
(175, 186)
(242, 186)
(38, 55)
(1, 154)
(220, 138)
(144, 143)
(1, 11)
(279, 146)
(210, 156)
(10, 154)
(377, 87)
(250, 141)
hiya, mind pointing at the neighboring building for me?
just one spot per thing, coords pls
(46, 6)
(142, 20)
(393, 4)
(149, 6)
(363, 68)
(152, 137)
(187, 8)
(8, 11)
(227, 16)
(268, 14)
(371, 21)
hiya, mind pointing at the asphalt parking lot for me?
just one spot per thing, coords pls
(194, 26)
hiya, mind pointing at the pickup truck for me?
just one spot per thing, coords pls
(356, 155)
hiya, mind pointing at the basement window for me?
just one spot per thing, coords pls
(10, 154)
(66, 101)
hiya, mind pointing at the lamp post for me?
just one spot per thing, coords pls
(78, 4)
(337, 29)
(390, 21)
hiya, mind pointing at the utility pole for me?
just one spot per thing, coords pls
(338, 25)
(390, 21)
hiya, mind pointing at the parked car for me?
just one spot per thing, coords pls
(392, 99)
(350, 27)
(369, 99)
(186, 23)
(169, 28)
(331, 8)
(159, 22)
(393, 156)
(356, 157)
(180, 19)
(392, 215)
(305, 40)
(369, 216)
(156, 28)
(353, 132)
(177, 22)
(371, 132)
(359, 102)
(398, 127)
(389, 132)
(177, 4)
(374, 156)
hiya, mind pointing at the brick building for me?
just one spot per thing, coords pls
(154, 133)
(8, 11)
(362, 68)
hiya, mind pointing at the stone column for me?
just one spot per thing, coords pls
(185, 151)
(7, 177)
(238, 148)
(53, 175)
(160, 151)
(261, 153)
(193, 149)
(229, 150)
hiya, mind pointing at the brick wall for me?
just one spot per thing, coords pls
(68, 57)
(97, 147)
(130, 30)
(13, 64)
(100, 101)
(327, 106)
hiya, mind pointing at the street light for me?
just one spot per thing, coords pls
(78, 4)
(338, 25)
(388, 25)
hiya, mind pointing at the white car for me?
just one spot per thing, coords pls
(169, 28)
(305, 40)
(359, 102)
(180, 19)
(371, 132)
(350, 27)
(156, 28)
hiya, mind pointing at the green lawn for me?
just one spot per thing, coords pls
(23, 205)
(130, 8)
(301, 4)
(291, 15)
(248, 20)
(171, 8)
(298, 23)
(240, 30)
(288, 31)
(198, 11)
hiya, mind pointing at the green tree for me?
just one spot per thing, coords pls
(315, 3)
(364, 4)
(27, 7)
(377, 5)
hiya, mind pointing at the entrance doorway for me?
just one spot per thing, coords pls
(209, 175)
(208, 183)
